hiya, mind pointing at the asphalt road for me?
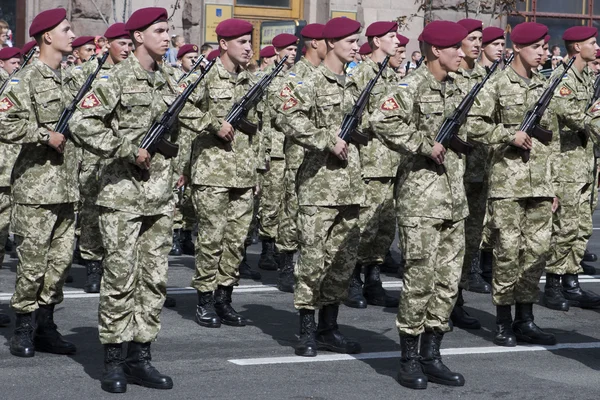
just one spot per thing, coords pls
(257, 361)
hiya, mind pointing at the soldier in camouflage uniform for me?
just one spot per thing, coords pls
(520, 193)
(377, 220)
(43, 187)
(573, 176)
(431, 208)
(329, 192)
(84, 48)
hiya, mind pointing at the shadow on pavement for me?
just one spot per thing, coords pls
(90, 353)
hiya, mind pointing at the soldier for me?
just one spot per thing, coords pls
(267, 57)
(365, 51)
(573, 176)
(44, 187)
(431, 208)
(377, 219)
(492, 45)
(83, 49)
(520, 193)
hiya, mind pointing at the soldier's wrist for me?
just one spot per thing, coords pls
(44, 136)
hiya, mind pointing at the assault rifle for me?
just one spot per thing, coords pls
(191, 71)
(420, 61)
(508, 60)
(448, 132)
(530, 124)
(25, 61)
(596, 94)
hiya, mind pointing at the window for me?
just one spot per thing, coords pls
(264, 3)
(578, 12)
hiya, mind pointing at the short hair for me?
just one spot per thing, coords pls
(4, 24)
(174, 39)
(414, 53)
(205, 47)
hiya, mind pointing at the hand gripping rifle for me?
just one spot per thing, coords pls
(448, 132)
(530, 124)
(508, 60)
(191, 71)
(25, 61)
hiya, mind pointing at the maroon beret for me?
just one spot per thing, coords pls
(471, 24)
(213, 54)
(380, 28)
(47, 20)
(232, 28)
(28, 46)
(267, 52)
(444, 33)
(546, 39)
(81, 40)
(284, 40)
(492, 33)
(340, 27)
(579, 33)
(116, 31)
(420, 38)
(365, 49)
(313, 31)
(10, 52)
(528, 32)
(187, 48)
(144, 17)
(402, 39)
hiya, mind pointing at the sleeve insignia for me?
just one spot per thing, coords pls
(6, 104)
(103, 78)
(403, 85)
(286, 92)
(565, 91)
(291, 103)
(90, 101)
(390, 104)
(14, 81)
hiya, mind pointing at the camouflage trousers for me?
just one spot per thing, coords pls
(185, 215)
(434, 251)
(134, 284)
(271, 198)
(90, 239)
(377, 220)
(287, 233)
(4, 218)
(521, 247)
(45, 236)
(571, 227)
(328, 239)
(224, 215)
(477, 199)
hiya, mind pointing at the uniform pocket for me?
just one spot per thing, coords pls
(49, 105)
(415, 239)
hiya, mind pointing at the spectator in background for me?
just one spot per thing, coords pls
(4, 34)
(100, 43)
(205, 49)
(176, 42)
(267, 57)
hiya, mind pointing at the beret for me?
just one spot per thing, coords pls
(420, 38)
(267, 52)
(187, 48)
(579, 33)
(144, 17)
(380, 28)
(116, 31)
(47, 20)
(28, 46)
(492, 33)
(528, 32)
(313, 31)
(81, 40)
(10, 52)
(546, 39)
(402, 39)
(444, 33)
(284, 40)
(213, 54)
(340, 27)
(232, 27)
(365, 49)
(471, 24)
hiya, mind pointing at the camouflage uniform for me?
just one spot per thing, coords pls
(329, 190)
(44, 185)
(430, 208)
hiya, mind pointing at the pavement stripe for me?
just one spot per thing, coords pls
(396, 354)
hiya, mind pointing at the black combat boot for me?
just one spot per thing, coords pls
(460, 317)
(224, 309)
(307, 345)
(285, 280)
(267, 259)
(410, 373)
(21, 343)
(246, 271)
(329, 336)
(589, 256)
(526, 331)
(113, 377)
(205, 311)
(373, 290)
(475, 282)
(46, 337)
(187, 243)
(4, 319)
(553, 294)
(94, 277)
(486, 259)
(140, 371)
(176, 246)
(431, 361)
(504, 333)
(587, 268)
(575, 295)
(390, 265)
(355, 297)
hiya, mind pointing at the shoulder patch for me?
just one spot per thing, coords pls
(293, 75)
(14, 81)
(90, 101)
(565, 91)
(390, 104)
(103, 78)
(286, 91)
(402, 84)
(291, 103)
(6, 104)
(78, 67)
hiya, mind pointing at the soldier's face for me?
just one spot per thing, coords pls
(10, 65)
(545, 55)
(450, 57)
(531, 55)
(471, 45)
(587, 49)
(289, 51)
(155, 39)
(188, 60)
(398, 58)
(388, 43)
(119, 49)
(594, 66)
(83, 53)
(239, 49)
(347, 48)
(61, 38)
(493, 51)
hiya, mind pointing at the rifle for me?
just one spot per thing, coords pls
(420, 61)
(349, 131)
(508, 60)
(192, 70)
(448, 132)
(92, 57)
(62, 126)
(25, 61)
(530, 124)
(596, 94)
(154, 140)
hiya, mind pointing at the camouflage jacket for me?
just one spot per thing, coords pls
(273, 137)
(29, 110)
(3, 76)
(312, 117)
(407, 120)
(495, 117)
(111, 122)
(8, 152)
(376, 160)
